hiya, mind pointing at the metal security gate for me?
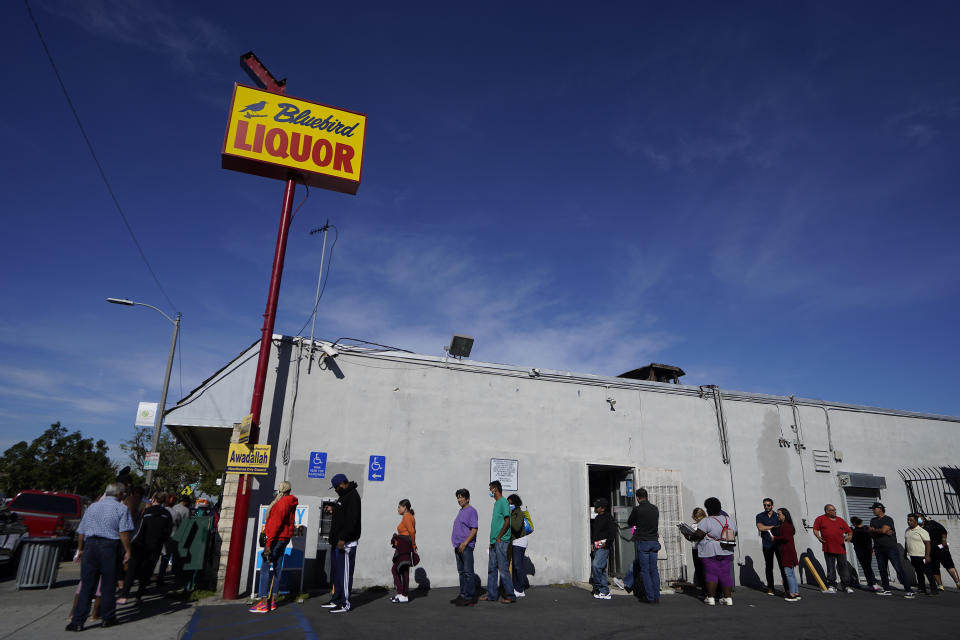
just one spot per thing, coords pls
(933, 490)
(859, 501)
(663, 489)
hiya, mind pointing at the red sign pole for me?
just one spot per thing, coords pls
(238, 533)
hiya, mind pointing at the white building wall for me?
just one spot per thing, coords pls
(439, 423)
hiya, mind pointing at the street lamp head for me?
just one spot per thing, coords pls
(123, 301)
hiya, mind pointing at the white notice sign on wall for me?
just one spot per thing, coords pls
(506, 471)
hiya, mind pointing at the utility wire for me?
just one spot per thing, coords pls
(96, 161)
(326, 278)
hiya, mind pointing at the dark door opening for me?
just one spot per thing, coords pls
(616, 484)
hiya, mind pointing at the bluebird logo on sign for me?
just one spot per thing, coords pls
(378, 468)
(317, 464)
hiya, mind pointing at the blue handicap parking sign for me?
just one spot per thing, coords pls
(317, 464)
(377, 469)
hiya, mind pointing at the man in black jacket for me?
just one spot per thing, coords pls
(155, 527)
(603, 529)
(344, 534)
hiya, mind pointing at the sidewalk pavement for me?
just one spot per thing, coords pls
(568, 611)
(38, 614)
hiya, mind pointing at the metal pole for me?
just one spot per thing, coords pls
(158, 419)
(316, 302)
(238, 532)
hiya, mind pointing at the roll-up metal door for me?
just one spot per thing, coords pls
(859, 501)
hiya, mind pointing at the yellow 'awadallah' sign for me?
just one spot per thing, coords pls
(272, 135)
(253, 460)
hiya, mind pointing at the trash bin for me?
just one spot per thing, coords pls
(39, 562)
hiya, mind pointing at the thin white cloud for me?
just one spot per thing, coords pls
(147, 25)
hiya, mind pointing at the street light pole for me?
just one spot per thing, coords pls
(158, 418)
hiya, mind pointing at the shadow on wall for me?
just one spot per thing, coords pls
(749, 577)
(423, 582)
(807, 577)
(529, 569)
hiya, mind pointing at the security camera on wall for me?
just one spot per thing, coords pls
(329, 351)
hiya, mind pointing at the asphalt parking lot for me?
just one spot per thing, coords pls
(565, 611)
(571, 612)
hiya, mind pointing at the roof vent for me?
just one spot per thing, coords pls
(655, 372)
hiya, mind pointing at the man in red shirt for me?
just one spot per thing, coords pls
(834, 533)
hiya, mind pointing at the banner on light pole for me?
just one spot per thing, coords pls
(146, 414)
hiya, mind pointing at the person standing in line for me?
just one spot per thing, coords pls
(766, 521)
(863, 547)
(155, 524)
(884, 533)
(105, 527)
(788, 553)
(603, 530)
(646, 518)
(698, 576)
(716, 552)
(834, 533)
(916, 541)
(405, 545)
(464, 540)
(519, 535)
(939, 550)
(169, 547)
(499, 542)
(281, 521)
(344, 535)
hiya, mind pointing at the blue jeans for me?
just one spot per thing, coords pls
(341, 574)
(99, 563)
(893, 555)
(519, 577)
(647, 557)
(599, 570)
(465, 569)
(272, 569)
(791, 580)
(497, 564)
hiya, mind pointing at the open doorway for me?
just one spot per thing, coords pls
(616, 484)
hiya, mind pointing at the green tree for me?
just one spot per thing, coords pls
(178, 468)
(58, 460)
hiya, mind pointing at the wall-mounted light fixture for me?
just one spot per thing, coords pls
(460, 346)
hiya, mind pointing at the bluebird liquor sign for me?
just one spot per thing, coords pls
(274, 135)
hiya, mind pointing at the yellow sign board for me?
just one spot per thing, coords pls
(245, 425)
(277, 136)
(253, 460)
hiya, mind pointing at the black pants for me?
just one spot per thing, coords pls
(891, 554)
(142, 562)
(923, 570)
(768, 554)
(698, 571)
(833, 560)
(865, 558)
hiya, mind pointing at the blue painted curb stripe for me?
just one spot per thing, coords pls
(308, 633)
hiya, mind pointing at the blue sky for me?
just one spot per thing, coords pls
(764, 194)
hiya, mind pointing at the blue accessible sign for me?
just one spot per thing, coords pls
(317, 464)
(377, 469)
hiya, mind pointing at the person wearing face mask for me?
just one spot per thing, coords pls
(344, 534)
(939, 550)
(497, 563)
(278, 530)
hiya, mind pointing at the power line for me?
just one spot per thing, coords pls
(96, 161)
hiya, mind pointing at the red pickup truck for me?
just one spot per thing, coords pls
(48, 513)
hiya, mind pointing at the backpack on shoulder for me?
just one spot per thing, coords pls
(520, 523)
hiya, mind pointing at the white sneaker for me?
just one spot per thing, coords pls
(401, 598)
(710, 601)
(831, 589)
(849, 590)
(602, 596)
(519, 594)
(792, 599)
(618, 583)
(329, 605)
(727, 601)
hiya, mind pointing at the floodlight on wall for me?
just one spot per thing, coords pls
(460, 346)
(329, 351)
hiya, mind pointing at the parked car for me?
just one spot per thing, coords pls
(12, 531)
(47, 514)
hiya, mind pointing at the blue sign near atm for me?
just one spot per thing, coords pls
(317, 464)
